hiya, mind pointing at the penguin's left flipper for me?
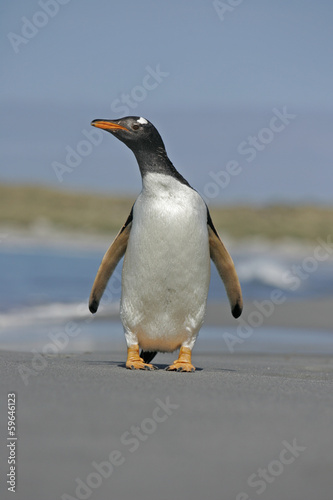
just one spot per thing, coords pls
(110, 260)
(226, 268)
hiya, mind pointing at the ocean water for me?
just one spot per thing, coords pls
(44, 291)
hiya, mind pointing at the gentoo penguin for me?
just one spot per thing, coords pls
(168, 240)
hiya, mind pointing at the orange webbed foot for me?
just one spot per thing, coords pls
(183, 363)
(134, 362)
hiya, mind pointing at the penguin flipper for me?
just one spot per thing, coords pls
(109, 262)
(226, 269)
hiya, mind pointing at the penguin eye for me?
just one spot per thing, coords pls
(135, 126)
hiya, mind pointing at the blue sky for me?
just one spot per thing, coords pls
(208, 84)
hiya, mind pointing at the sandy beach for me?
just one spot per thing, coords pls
(242, 426)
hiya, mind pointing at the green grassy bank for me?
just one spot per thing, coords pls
(22, 206)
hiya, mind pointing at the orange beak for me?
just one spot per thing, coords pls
(107, 125)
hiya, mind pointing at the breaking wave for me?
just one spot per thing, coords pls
(53, 313)
(268, 272)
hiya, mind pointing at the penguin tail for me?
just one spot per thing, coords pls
(147, 356)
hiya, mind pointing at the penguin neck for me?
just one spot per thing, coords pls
(157, 161)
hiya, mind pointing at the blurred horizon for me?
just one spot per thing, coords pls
(242, 98)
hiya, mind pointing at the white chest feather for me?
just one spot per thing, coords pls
(166, 268)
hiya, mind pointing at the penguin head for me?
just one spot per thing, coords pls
(136, 132)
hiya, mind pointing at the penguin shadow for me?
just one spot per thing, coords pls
(159, 366)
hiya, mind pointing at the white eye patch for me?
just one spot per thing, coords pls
(141, 120)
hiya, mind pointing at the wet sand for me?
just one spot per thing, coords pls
(309, 314)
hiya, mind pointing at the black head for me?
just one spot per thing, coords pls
(146, 143)
(136, 132)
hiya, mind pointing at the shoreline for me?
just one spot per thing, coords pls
(43, 235)
(293, 327)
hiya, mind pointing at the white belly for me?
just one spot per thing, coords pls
(166, 269)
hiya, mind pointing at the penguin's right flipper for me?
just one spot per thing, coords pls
(109, 262)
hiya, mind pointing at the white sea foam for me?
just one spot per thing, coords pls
(53, 313)
(266, 271)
